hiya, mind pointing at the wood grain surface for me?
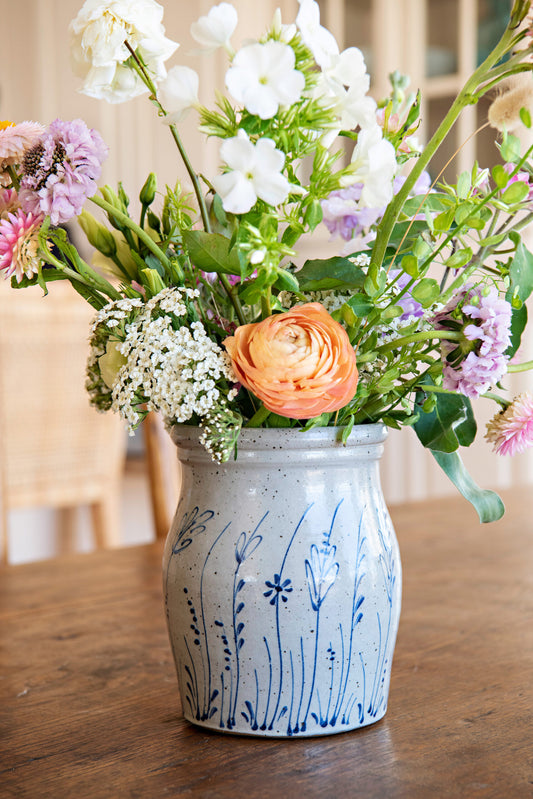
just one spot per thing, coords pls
(89, 703)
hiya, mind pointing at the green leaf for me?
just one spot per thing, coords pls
(425, 291)
(444, 220)
(459, 258)
(518, 325)
(410, 265)
(286, 281)
(515, 193)
(521, 271)
(488, 504)
(448, 425)
(211, 252)
(525, 117)
(500, 176)
(330, 273)
(464, 184)
(510, 148)
(360, 304)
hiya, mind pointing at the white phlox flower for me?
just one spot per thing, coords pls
(98, 52)
(255, 172)
(262, 77)
(374, 165)
(320, 41)
(178, 93)
(216, 29)
(344, 84)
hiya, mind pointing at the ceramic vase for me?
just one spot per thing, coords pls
(282, 583)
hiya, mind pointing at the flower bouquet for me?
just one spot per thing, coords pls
(204, 313)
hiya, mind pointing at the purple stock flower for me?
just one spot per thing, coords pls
(61, 170)
(478, 361)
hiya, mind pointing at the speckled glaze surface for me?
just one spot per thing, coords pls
(282, 583)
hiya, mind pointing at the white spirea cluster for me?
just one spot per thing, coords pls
(173, 368)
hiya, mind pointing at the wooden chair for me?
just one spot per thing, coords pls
(163, 473)
(55, 449)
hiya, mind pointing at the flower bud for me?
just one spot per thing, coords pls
(147, 194)
(97, 235)
(152, 279)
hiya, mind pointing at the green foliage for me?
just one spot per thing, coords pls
(448, 424)
(487, 504)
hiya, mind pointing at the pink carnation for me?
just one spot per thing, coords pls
(511, 430)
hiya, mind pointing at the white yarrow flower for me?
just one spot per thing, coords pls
(216, 29)
(178, 93)
(262, 77)
(374, 165)
(255, 172)
(98, 52)
(320, 41)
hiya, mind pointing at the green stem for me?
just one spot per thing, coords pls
(259, 417)
(145, 77)
(91, 279)
(463, 99)
(500, 400)
(422, 335)
(520, 367)
(141, 234)
(14, 177)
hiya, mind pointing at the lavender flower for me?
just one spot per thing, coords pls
(61, 170)
(342, 215)
(478, 361)
(411, 307)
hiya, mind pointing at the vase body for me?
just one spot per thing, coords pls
(282, 583)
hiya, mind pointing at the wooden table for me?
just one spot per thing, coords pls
(89, 703)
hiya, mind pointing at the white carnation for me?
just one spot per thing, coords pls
(98, 52)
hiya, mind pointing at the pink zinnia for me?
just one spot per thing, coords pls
(14, 141)
(19, 245)
(511, 430)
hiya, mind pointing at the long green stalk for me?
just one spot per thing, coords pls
(465, 97)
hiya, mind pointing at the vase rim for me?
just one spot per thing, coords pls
(291, 437)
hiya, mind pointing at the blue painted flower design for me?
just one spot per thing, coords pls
(277, 589)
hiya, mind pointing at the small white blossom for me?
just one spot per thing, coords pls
(178, 93)
(255, 172)
(262, 77)
(320, 41)
(98, 50)
(216, 29)
(282, 32)
(374, 165)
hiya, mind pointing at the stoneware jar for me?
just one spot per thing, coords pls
(282, 583)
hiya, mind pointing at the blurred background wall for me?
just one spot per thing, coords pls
(437, 42)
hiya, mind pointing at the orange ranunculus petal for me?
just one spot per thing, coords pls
(299, 363)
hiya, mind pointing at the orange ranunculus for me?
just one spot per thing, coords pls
(299, 363)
